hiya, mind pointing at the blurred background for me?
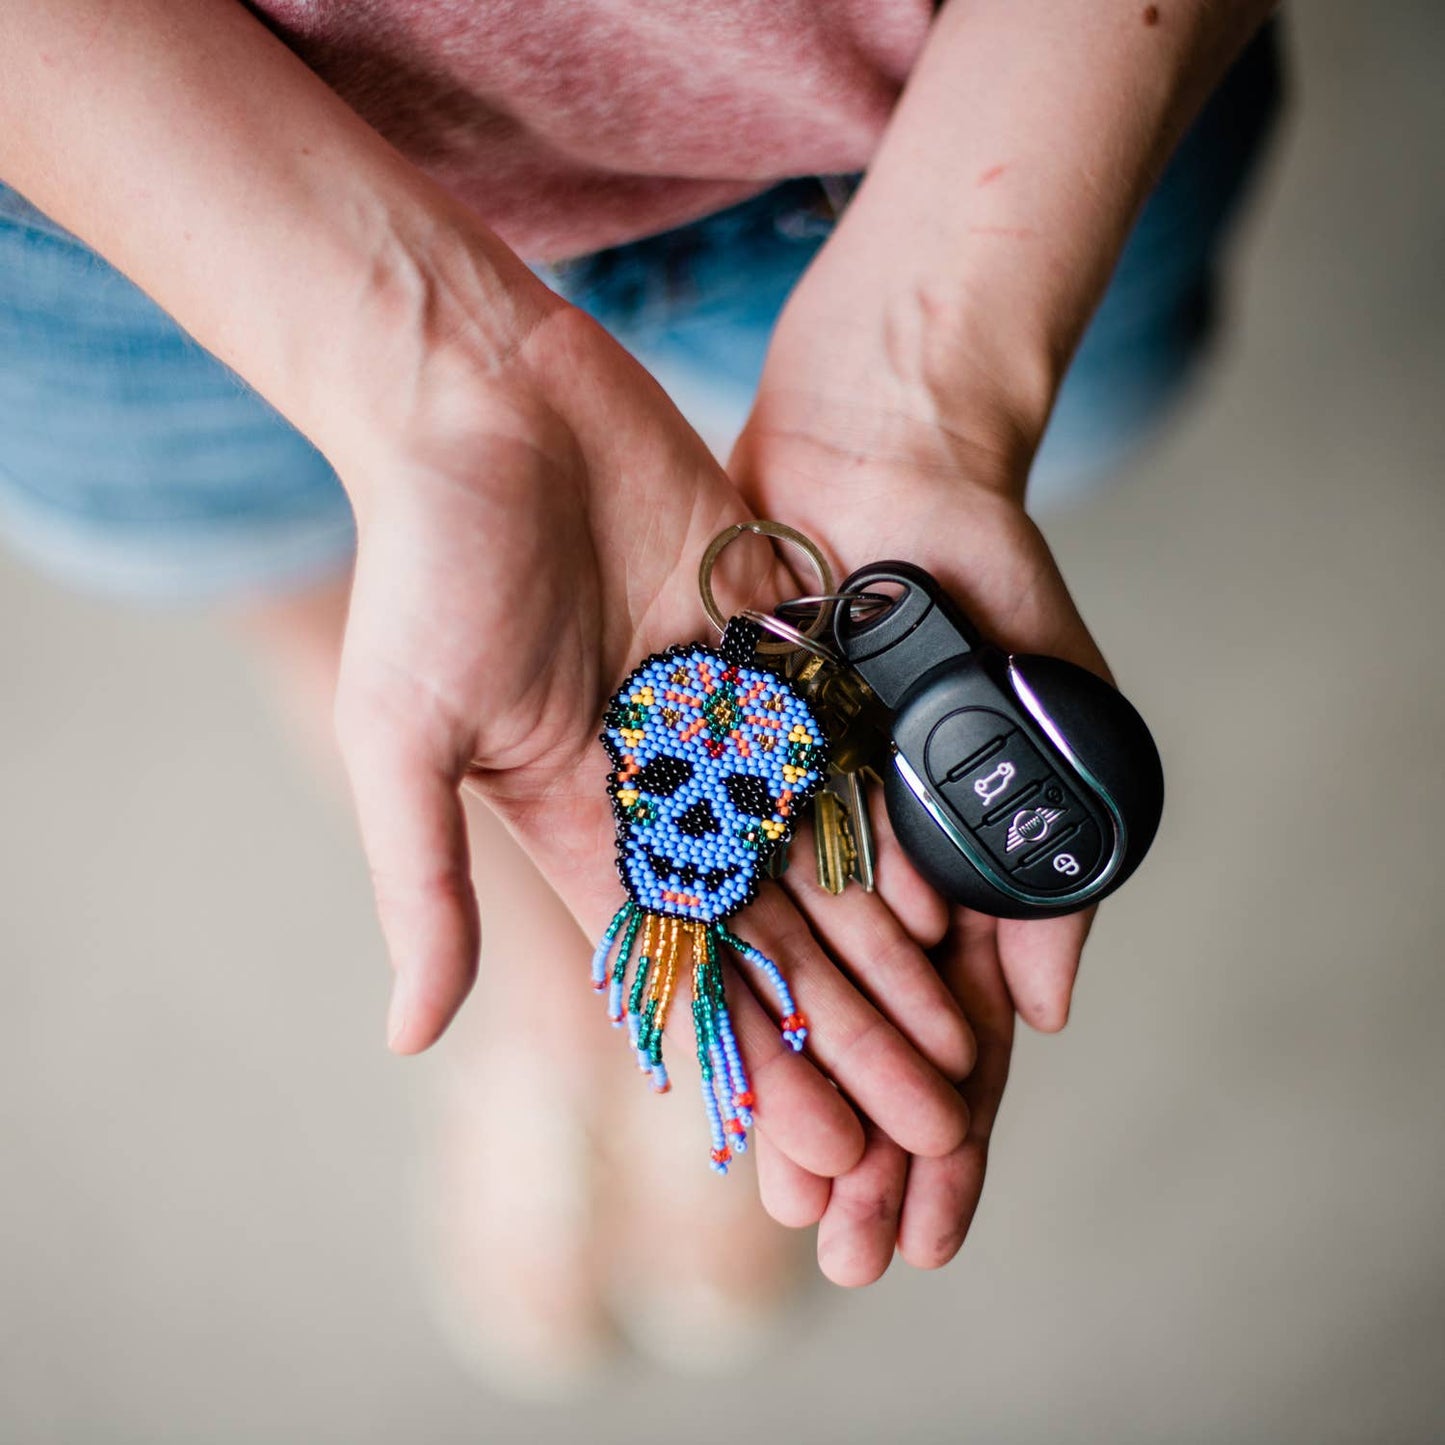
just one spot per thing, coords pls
(1214, 1203)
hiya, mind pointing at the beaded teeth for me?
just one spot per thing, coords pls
(713, 759)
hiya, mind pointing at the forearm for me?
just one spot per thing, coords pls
(192, 149)
(962, 276)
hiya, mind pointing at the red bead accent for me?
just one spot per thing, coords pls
(735, 1126)
(721, 1156)
(744, 1100)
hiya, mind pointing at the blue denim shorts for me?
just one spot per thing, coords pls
(132, 462)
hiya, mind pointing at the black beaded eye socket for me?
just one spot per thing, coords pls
(748, 794)
(663, 776)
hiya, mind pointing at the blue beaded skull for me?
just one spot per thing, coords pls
(713, 761)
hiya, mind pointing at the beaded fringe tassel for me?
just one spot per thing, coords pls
(726, 1095)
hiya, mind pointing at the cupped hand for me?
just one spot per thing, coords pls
(869, 484)
(530, 536)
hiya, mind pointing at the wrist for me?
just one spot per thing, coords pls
(920, 371)
(870, 484)
(203, 158)
(964, 270)
(433, 350)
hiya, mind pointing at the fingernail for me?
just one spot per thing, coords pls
(396, 1014)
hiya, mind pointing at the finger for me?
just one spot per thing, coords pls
(803, 1115)
(1040, 959)
(890, 968)
(858, 1230)
(414, 834)
(943, 1194)
(915, 903)
(789, 1193)
(870, 1061)
(939, 1205)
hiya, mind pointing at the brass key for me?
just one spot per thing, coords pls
(833, 840)
(843, 833)
(854, 722)
(856, 727)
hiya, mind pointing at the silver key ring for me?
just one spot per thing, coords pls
(771, 622)
(777, 532)
(874, 602)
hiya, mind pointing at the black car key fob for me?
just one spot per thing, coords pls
(1020, 786)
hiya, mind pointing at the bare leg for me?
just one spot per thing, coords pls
(507, 1185)
(512, 1228)
(528, 1235)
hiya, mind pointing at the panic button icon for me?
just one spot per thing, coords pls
(993, 784)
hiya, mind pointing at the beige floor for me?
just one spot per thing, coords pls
(1215, 1207)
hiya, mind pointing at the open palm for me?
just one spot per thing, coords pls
(533, 537)
(871, 488)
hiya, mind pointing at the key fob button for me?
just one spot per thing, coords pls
(1032, 818)
(963, 740)
(1009, 776)
(1064, 861)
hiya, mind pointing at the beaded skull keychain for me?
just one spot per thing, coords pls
(713, 758)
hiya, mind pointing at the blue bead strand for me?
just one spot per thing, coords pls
(737, 1074)
(793, 1037)
(604, 946)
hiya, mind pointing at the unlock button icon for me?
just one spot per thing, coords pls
(984, 784)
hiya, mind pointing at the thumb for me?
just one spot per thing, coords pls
(1040, 960)
(405, 777)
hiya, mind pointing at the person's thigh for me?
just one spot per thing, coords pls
(133, 462)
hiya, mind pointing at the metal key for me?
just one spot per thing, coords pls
(843, 833)
(837, 854)
(855, 722)
(850, 714)
(856, 727)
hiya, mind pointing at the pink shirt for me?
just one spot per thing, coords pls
(575, 124)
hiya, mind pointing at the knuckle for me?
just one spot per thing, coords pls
(860, 1049)
(866, 1208)
(445, 885)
